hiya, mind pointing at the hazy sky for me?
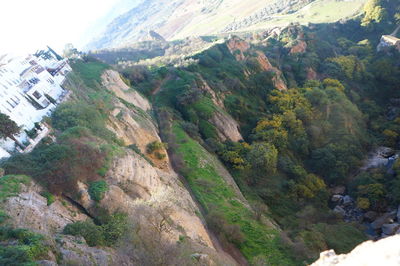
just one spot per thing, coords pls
(28, 25)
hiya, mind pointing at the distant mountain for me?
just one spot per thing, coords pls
(177, 19)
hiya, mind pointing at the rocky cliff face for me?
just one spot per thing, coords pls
(382, 252)
(112, 80)
(239, 48)
(134, 182)
(227, 127)
(29, 210)
(137, 186)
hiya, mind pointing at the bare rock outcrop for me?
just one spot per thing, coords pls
(265, 65)
(238, 47)
(112, 80)
(299, 48)
(217, 99)
(75, 251)
(383, 252)
(227, 127)
(131, 121)
(134, 182)
(29, 210)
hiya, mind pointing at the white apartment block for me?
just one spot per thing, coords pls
(30, 88)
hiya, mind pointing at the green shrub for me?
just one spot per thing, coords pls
(27, 247)
(92, 233)
(207, 130)
(136, 149)
(341, 237)
(3, 216)
(10, 185)
(58, 167)
(155, 146)
(160, 155)
(114, 226)
(107, 234)
(97, 190)
(81, 114)
(50, 197)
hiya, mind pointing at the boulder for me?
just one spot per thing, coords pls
(384, 219)
(338, 190)
(370, 216)
(336, 198)
(339, 210)
(390, 229)
(386, 152)
(347, 200)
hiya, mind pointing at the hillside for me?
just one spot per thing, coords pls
(262, 148)
(180, 19)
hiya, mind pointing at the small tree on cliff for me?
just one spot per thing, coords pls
(8, 128)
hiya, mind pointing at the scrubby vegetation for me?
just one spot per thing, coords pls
(27, 247)
(97, 190)
(298, 143)
(82, 153)
(107, 232)
(84, 145)
(19, 246)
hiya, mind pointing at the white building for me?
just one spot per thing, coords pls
(388, 41)
(3, 153)
(30, 88)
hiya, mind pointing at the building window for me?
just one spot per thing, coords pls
(37, 95)
(45, 102)
(11, 104)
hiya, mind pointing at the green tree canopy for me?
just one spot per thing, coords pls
(8, 128)
(374, 13)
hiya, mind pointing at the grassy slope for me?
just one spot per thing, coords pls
(89, 72)
(321, 11)
(211, 190)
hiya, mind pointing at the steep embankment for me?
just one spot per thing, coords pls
(166, 225)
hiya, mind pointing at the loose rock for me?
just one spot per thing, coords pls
(390, 229)
(384, 219)
(339, 210)
(336, 198)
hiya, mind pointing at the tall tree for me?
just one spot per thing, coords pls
(8, 128)
(373, 12)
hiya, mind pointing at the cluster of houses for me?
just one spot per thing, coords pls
(30, 89)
